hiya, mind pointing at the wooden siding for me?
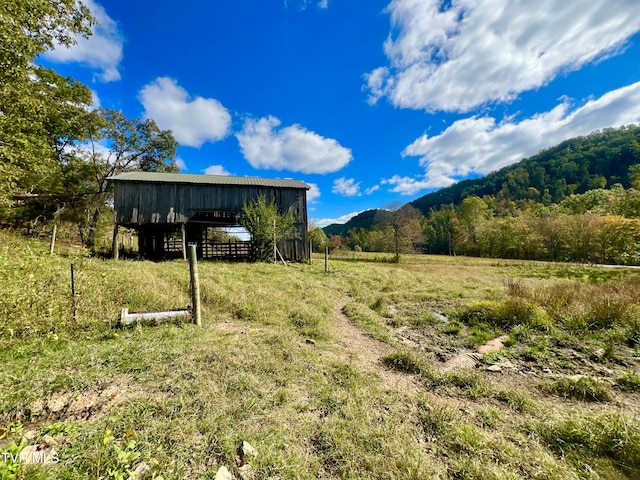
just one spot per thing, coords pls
(166, 205)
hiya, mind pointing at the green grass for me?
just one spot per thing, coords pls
(182, 398)
(581, 388)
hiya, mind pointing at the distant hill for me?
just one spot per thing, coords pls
(597, 160)
(362, 220)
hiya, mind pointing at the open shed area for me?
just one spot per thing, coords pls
(171, 210)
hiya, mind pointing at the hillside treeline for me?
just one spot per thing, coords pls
(598, 226)
(598, 160)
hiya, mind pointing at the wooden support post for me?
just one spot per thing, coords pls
(195, 285)
(275, 258)
(184, 241)
(114, 244)
(326, 259)
(53, 238)
(73, 295)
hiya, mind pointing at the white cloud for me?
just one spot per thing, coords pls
(346, 186)
(313, 193)
(193, 121)
(409, 185)
(102, 51)
(323, 222)
(323, 4)
(370, 190)
(216, 170)
(182, 165)
(482, 145)
(291, 148)
(474, 52)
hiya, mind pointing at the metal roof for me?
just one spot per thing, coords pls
(208, 179)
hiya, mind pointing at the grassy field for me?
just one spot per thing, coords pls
(272, 366)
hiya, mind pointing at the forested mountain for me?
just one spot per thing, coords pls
(362, 220)
(598, 160)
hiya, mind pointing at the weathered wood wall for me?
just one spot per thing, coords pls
(165, 205)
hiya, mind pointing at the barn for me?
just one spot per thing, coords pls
(170, 210)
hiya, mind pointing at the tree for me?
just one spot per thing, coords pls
(30, 95)
(319, 240)
(404, 225)
(117, 145)
(266, 226)
(471, 213)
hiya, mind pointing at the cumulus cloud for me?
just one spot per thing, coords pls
(410, 185)
(471, 52)
(294, 148)
(182, 165)
(216, 170)
(346, 186)
(193, 121)
(313, 193)
(102, 51)
(370, 190)
(482, 144)
(323, 222)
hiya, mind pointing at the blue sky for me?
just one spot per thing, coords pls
(368, 101)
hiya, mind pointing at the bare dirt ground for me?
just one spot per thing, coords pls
(366, 353)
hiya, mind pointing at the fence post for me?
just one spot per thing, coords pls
(195, 285)
(326, 259)
(115, 248)
(53, 238)
(73, 295)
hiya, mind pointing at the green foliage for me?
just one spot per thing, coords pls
(319, 240)
(267, 226)
(34, 101)
(577, 164)
(12, 445)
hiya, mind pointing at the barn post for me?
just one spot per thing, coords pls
(114, 244)
(275, 258)
(184, 240)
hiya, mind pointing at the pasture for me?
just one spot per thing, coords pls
(335, 375)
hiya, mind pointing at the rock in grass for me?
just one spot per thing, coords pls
(247, 450)
(494, 368)
(246, 472)
(223, 474)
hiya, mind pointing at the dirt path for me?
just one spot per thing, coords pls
(366, 353)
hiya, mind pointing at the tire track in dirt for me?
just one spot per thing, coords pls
(366, 353)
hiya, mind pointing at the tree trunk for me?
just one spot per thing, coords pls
(93, 223)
